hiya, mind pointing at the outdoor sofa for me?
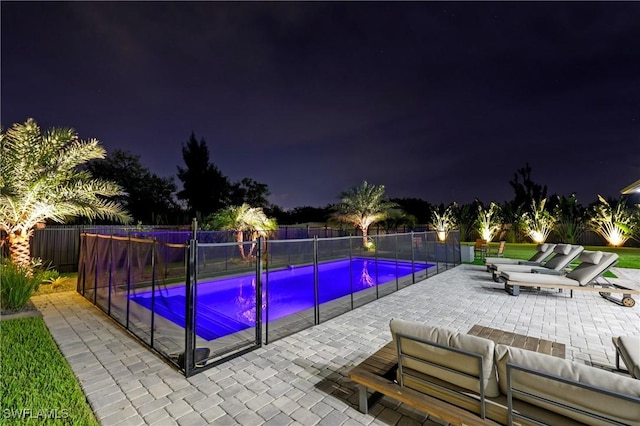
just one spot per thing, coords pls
(499, 384)
(628, 348)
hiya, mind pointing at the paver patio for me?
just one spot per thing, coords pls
(302, 379)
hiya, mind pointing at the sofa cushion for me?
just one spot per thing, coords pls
(543, 247)
(478, 345)
(562, 249)
(629, 349)
(627, 412)
(590, 256)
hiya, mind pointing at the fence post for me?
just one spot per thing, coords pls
(153, 290)
(413, 260)
(259, 300)
(110, 286)
(128, 281)
(396, 250)
(316, 301)
(191, 281)
(95, 273)
(351, 270)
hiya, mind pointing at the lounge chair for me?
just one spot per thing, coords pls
(480, 248)
(564, 254)
(498, 253)
(592, 265)
(543, 251)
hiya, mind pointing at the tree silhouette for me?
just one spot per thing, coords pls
(250, 192)
(527, 191)
(205, 188)
(149, 197)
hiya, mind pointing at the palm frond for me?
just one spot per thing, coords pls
(363, 205)
(41, 180)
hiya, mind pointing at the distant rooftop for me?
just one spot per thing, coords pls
(634, 187)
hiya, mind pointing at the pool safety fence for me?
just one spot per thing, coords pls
(59, 245)
(200, 303)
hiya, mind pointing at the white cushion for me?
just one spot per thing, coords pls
(562, 249)
(543, 247)
(478, 345)
(590, 256)
(629, 348)
(626, 412)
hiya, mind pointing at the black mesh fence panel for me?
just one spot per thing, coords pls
(82, 260)
(119, 279)
(335, 248)
(141, 287)
(296, 252)
(103, 271)
(226, 300)
(336, 276)
(169, 309)
(387, 268)
(245, 293)
(225, 258)
(289, 284)
(90, 265)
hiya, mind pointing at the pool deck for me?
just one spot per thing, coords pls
(302, 379)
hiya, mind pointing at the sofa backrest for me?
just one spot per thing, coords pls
(564, 254)
(592, 265)
(543, 251)
(448, 359)
(621, 410)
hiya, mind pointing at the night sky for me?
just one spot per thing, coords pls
(439, 101)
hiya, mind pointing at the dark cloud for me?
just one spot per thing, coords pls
(442, 101)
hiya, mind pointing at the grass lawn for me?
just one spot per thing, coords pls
(38, 385)
(629, 256)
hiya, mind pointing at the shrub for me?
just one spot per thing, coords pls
(488, 222)
(445, 221)
(18, 284)
(538, 222)
(613, 221)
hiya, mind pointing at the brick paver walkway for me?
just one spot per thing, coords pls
(302, 379)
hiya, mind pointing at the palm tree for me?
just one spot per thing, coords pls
(363, 205)
(240, 219)
(40, 180)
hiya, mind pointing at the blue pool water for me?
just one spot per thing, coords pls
(227, 305)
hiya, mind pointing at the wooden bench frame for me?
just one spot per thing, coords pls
(605, 290)
(378, 372)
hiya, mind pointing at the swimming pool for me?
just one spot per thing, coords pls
(225, 306)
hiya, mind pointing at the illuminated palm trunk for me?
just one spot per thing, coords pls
(240, 240)
(364, 236)
(20, 247)
(254, 238)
